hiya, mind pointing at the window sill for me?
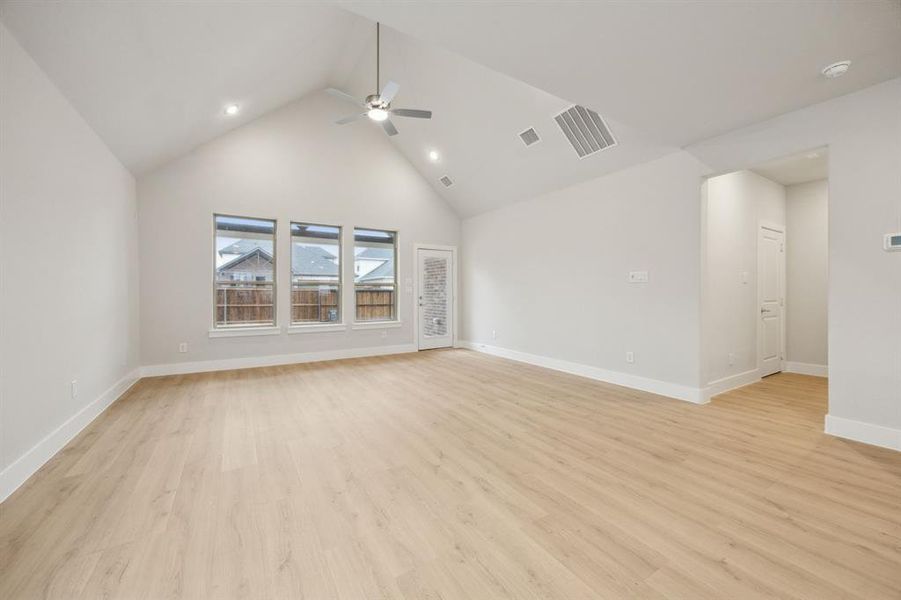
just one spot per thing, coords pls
(244, 331)
(376, 325)
(316, 328)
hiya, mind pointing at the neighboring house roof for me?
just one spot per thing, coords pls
(245, 246)
(312, 261)
(235, 262)
(377, 253)
(307, 261)
(383, 272)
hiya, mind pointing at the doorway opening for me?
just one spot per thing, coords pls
(765, 255)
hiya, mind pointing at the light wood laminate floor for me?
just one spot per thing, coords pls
(452, 474)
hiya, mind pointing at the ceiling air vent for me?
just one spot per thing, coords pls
(447, 181)
(585, 130)
(529, 136)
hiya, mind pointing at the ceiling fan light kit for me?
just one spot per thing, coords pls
(377, 114)
(378, 105)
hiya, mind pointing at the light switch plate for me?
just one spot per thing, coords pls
(638, 277)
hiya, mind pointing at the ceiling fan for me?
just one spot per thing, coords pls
(378, 105)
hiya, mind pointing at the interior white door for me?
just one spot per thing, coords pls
(436, 298)
(771, 295)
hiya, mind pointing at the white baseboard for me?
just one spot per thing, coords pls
(807, 369)
(868, 433)
(645, 384)
(719, 386)
(204, 366)
(28, 464)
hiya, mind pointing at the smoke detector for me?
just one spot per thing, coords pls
(836, 69)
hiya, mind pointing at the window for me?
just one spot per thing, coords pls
(244, 259)
(375, 276)
(315, 273)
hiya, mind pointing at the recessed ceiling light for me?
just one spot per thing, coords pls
(836, 69)
(813, 155)
(232, 109)
(434, 156)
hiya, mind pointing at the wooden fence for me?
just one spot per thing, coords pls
(375, 304)
(250, 303)
(314, 305)
(244, 303)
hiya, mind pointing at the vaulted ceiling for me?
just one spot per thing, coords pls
(682, 70)
(478, 114)
(152, 78)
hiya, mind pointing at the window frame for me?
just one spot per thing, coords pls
(394, 321)
(317, 325)
(217, 330)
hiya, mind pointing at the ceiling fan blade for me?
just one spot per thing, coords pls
(389, 127)
(350, 119)
(389, 92)
(411, 112)
(343, 96)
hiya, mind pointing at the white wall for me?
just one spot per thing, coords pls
(68, 263)
(550, 275)
(636, 219)
(863, 132)
(292, 164)
(736, 204)
(807, 273)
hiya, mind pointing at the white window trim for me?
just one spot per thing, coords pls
(317, 327)
(377, 324)
(341, 228)
(397, 279)
(223, 332)
(214, 328)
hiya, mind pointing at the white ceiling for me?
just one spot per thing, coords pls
(812, 165)
(683, 70)
(152, 77)
(477, 117)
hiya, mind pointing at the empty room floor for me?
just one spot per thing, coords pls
(452, 474)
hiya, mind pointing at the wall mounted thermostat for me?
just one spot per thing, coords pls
(893, 242)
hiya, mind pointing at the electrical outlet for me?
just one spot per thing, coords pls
(494, 334)
(384, 333)
(731, 358)
(183, 347)
(74, 388)
(630, 357)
